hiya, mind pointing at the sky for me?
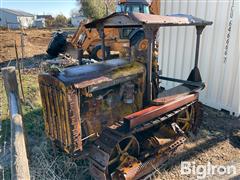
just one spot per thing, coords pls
(37, 7)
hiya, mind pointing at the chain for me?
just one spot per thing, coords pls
(228, 33)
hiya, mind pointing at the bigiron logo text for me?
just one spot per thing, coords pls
(202, 171)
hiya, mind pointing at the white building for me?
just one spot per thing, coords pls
(39, 23)
(15, 19)
(75, 20)
(219, 50)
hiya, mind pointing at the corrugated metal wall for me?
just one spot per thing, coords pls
(220, 72)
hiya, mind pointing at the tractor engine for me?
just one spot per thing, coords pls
(80, 101)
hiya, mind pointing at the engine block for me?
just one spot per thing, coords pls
(80, 101)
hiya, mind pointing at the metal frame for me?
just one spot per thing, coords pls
(150, 25)
(191, 83)
(152, 112)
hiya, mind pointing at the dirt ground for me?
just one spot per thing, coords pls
(35, 43)
(218, 143)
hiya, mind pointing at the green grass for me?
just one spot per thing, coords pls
(33, 123)
(31, 90)
(32, 117)
(3, 103)
(5, 133)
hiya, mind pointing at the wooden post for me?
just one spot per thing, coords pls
(19, 161)
(19, 71)
(10, 81)
(22, 47)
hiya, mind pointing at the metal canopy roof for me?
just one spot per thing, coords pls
(118, 20)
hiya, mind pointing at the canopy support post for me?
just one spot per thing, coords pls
(195, 73)
(102, 36)
(199, 32)
(149, 33)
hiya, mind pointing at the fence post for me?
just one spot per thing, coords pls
(19, 161)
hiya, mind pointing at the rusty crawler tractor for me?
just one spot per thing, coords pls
(114, 110)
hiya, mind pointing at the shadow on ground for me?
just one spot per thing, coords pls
(217, 142)
(29, 62)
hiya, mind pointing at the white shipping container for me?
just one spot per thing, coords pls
(219, 50)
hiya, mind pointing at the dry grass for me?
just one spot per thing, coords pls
(45, 165)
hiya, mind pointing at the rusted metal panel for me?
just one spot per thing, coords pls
(61, 113)
(75, 121)
(103, 103)
(78, 74)
(117, 76)
(152, 112)
(147, 167)
(140, 19)
(174, 93)
(95, 81)
(163, 20)
(108, 106)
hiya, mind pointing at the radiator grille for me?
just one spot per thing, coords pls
(57, 124)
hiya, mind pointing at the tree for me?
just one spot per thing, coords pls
(60, 21)
(49, 22)
(110, 6)
(96, 9)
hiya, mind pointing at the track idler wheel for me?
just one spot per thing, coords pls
(123, 155)
(190, 118)
(112, 151)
